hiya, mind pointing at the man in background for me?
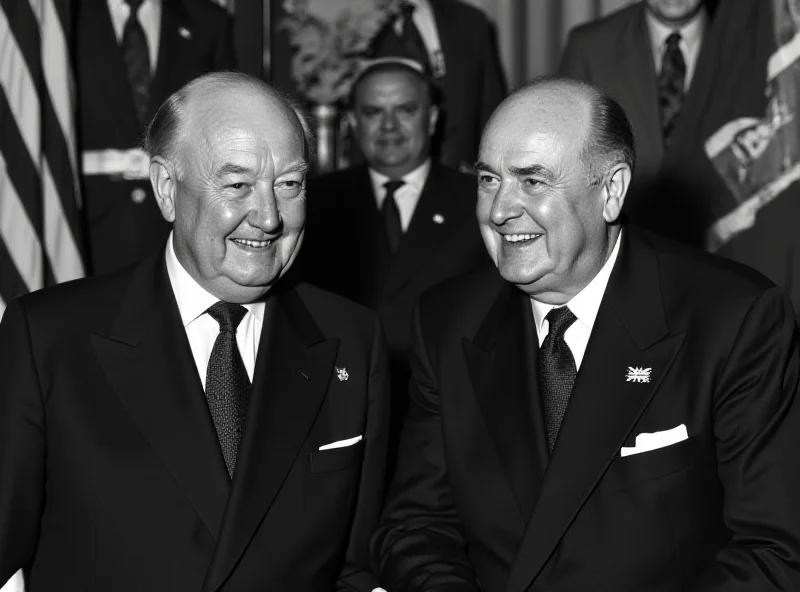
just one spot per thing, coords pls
(131, 55)
(383, 232)
(197, 422)
(648, 56)
(609, 409)
(455, 42)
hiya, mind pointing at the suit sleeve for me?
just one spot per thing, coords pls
(573, 61)
(22, 445)
(356, 573)
(757, 432)
(419, 545)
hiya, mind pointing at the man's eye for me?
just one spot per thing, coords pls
(532, 182)
(485, 179)
(237, 186)
(289, 188)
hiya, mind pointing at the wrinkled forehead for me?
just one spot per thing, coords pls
(546, 130)
(262, 127)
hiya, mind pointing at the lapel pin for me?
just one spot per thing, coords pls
(636, 374)
(341, 373)
(438, 219)
(185, 33)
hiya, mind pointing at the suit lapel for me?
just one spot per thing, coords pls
(499, 362)
(149, 364)
(630, 331)
(636, 57)
(437, 216)
(293, 369)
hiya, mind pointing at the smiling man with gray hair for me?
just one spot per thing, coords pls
(197, 422)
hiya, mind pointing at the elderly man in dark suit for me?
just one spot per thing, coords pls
(384, 232)
(197, 422)
(132, 55)
(610, 411)
(653, 58)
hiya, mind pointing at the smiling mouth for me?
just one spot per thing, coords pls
(520, 238)
(253, 244)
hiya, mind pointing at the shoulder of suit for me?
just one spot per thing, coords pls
(607, 25)
(701, 273)
(459, 304)
(83, 303)
(333, 312)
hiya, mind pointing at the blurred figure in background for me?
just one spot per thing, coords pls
(455, 42)
(131, 55)
(646, 56)
(384, 232)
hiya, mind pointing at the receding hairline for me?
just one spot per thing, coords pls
(419, 79)
(168, 129)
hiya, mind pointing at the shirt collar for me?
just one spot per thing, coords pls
(691, 32)
(193, 300)
(415, 178)
(586, 303)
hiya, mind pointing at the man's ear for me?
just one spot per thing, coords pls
(352, 122)
(433, 118)
(615, 187)
(162, 178)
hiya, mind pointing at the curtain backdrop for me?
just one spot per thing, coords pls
(532, 33)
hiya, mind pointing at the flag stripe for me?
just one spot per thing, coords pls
(39, 191)
(20, 236)
(11, 284)
(19, 167)
(18, 84)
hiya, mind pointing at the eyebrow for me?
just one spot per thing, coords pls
(482, 166)
(535, 170)
(232, 169)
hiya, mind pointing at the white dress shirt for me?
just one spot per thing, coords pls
(201, 329)
(406, 196)
(149, 17)
(584, 305)
(691, 40)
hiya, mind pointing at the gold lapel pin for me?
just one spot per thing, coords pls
(438, 219)
(185, 33)
(341, 373)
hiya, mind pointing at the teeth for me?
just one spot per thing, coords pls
(252, 243)
(515, 238)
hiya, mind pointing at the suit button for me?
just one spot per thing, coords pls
(138, 195)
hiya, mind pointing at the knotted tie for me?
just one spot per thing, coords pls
(227, 384)
(557, 371)
(671, 81)
(407, 44)
(137, 60)
(391, 215)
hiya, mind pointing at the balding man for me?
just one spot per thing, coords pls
(196, 423)
(610, 411)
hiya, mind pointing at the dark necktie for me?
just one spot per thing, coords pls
(671, 81)
(227, 384)
(137, 60)
(391, 215)
(407, 44)
(557, 371)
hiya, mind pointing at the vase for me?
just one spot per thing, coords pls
(326, 117)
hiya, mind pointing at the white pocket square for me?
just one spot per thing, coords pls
(646, 442)
(341, 443)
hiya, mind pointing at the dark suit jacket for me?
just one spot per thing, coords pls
(111, 475)
(120, 230)
(471, 62)
(346, 251)
(477, 501)
(615, 53)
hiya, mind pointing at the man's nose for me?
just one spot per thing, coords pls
(389, 121)
(506, 204)
(264, 213)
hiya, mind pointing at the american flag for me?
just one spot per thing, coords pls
(39, 195)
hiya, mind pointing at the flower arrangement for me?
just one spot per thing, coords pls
(330, 39)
